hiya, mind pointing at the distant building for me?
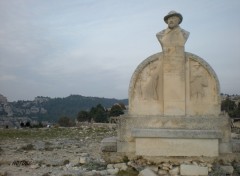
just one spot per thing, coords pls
(41, 99)
(3, 100)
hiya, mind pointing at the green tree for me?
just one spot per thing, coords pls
(99, 114)
(83, 116)
(229, 106)
(122, 106)
(65, 121)
(28, 124)
(116, 110)
(238, 110)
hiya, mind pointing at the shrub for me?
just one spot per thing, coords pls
(28, 147)
(66, 122)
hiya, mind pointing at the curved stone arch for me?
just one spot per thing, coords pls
(139, 69)
(205, 65)
(159, 57)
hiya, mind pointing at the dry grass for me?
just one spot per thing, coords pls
(50, 133)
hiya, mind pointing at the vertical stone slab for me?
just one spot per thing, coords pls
(174, 74)
(174, 85)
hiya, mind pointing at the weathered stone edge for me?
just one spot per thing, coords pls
(176, 133)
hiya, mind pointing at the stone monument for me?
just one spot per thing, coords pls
(174, 103)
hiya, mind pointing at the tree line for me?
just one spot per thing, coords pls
(58, 107)
(232, 108)
(97, 114)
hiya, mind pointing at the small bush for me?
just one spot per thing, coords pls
(128, 172)
(125, 159)
(95, 166)
(66, 162)
(66, 122)
(217, 171)
(48, 143)
(28, 147)
(47, 148)
(236, 167)
(46, 174)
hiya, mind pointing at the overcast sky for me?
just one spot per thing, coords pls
(92, 47)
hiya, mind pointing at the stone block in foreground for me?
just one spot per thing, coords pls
(191, 170)
(147, 172)
(109, 144)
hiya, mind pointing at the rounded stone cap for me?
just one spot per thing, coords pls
(173, 13)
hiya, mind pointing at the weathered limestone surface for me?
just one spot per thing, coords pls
(202, 91)
(169, 142)
(176, 147)
(192, 170)
(147, 172)
(109, 144)
(197, 127)
(176, 133)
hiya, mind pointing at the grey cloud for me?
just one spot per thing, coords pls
(56, 48)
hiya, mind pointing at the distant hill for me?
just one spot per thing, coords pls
(51, 109)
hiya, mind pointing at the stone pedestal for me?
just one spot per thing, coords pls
(174, 60)
(174, 142)
(174, 135)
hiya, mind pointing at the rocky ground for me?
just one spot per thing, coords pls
(76, 152)
(53, 151)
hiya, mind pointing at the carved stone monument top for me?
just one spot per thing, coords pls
(174, 82)
(173, 36)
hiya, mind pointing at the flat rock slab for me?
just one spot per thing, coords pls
(147, 172)
(236, 146)
(176, 147)
(192, 170)
(228, 169)
(109, 144)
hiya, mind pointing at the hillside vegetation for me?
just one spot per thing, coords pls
(50, 109)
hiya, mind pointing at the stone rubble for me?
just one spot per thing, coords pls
(147, 172)
(84, 164)
(228, 169)
(72, 157)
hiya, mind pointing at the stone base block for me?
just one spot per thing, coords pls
(125, 146)
(193, 170)
(176, 147)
